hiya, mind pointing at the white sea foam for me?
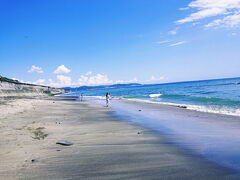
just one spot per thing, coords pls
(154, 95)
(208, 109)
(101, 97)
(96, 97)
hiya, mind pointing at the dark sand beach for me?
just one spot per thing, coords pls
(104, 147)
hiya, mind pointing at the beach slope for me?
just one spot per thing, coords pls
(104, 147)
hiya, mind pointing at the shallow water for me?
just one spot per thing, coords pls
(215, 137)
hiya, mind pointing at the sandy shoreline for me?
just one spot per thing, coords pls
(104, 146)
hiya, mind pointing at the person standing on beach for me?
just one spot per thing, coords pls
(81, 96)
(107, 99)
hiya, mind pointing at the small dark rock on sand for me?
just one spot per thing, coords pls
(64, 143)
(184, 107)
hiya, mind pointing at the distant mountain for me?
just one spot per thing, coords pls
(68, 89)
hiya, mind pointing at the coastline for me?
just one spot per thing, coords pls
(104, 146)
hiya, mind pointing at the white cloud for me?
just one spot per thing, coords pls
(98, 79)
(173, 32)
(202, 14)
(134, 80)
(229, 21)
(85, 80)
(183, 9)
(162, 42)
(153, 78)
(225, 12)
(37, 82)
(62, 70)
(35, 69)
(64, 80)
(52, 83)
(40, 82)
(177, 44)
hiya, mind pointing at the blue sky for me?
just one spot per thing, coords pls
(82, 42)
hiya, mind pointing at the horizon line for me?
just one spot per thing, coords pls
(153, 83)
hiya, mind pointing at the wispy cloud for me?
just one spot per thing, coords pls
(183, 9)
(225, 12)
(173, 32)
(163, 42)
(35, 69)
(177, 44)
(229, 21)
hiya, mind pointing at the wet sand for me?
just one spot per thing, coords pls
(104, 147)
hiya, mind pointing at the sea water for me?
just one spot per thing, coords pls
(216, 96)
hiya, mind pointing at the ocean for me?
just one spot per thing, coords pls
(216, 96)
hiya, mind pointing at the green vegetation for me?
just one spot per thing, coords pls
(8, 80)
(50, 94)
